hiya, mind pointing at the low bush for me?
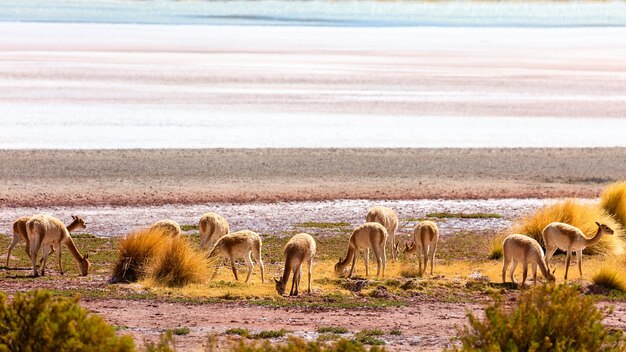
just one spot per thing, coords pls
(546, 318)
(613, 201)
(295, 344)
(610, 276)
(178, 264)
(583, 216)
(135, 253)
(38, 321)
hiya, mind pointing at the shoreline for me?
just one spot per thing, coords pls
(196, 176)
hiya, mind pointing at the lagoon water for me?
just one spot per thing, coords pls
(239, 74)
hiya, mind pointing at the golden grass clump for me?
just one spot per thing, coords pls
(610, 276)
(583, 216)
(178, 264)
(613, 200)
(495, 247)
(136, 251)
(163, 260)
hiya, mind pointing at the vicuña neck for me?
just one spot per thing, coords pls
(72, 247)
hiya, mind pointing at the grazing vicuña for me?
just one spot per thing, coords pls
(299, 249)
(241, 244)
(169, 227)
(212, 227)
(425, 237)
(388, 218)
(525, 250)
(47, 231)
(370, 235)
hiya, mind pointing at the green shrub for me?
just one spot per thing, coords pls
(295, 344)
(38, 321)
(366, 337)
(332, 329)
(166, 343)
(546, 318)
(270, 334)
(238, 331)
(181, 331)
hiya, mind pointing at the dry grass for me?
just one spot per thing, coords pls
(610, 275)
(178, 264)
(577, 214)
(495, 247)
(135, 253)
(613, 201)
(161, 259)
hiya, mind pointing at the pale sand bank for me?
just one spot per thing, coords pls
(32, 178)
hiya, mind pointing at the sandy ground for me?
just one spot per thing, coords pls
(149, 177)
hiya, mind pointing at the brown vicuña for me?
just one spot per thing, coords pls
(300, 248)
(241, 244)
(388, 218)
(370, 235)
(47, 231)
(525, 250)
(212, 227)
(425, 239)
(568, 238)
(169, 227)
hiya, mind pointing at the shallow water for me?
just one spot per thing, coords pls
(320, 13)
(280, 218)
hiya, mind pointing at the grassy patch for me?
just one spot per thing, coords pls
(189, 227)
(610, 276)
(270, 334)
(395, 332)
(82, 235)
(332, 329)
(238, 331)
(613, 201)
(323, 225)
(464, 215)
(180, 331)
(368, 337)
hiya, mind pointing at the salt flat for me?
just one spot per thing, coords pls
(203, 86)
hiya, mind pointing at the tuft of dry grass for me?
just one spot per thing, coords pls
(578, 214)
(495, 247)
(611, 276)
(613, 201)
(178, 264)
(135, 253)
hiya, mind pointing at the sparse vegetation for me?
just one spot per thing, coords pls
(238, 331)
(613, 201)
(464, 215)
(295, 344)
(546, 318)
(610, 276)
(178, 264)
(166, 343)
(270, 334)
(38, 321)
(367, 337)
(189, 227)
(324, 225)
(395, 332)
(180, 331)
(332, 329)
(581, 215)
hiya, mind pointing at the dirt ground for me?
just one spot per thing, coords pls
(150, 177)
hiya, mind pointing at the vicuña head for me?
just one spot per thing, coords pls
(607, 230)
(280, 286)
(339, 269)
(77, 223)
(84, 265)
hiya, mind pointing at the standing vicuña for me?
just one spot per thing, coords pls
(212, 227)
(388, 218)
(370, 235)
(48, 231)
(241, 244)
(525, 250)
(299, 249)
(425, 237)
(570, 239)
(169, 227)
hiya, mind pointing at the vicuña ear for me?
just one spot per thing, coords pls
(73, 217)
(553, 271)
(86, 256)
(276, 280)
(597, 223)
